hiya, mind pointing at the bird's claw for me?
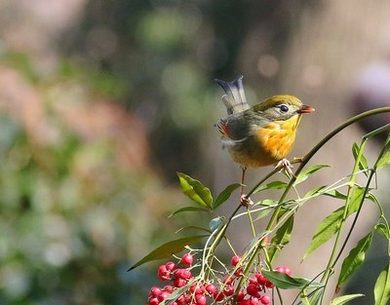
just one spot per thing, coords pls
(284, 164)
(246, 201)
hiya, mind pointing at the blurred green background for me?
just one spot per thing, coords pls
(102, 101)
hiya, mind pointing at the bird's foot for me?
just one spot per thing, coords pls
(284, 164)
(246, 201)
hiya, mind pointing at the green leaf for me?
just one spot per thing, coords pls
(225, 194)
(285, 281)
(303, 175)
(383, 230)
(354, 259)
(316, 191)
(274, 185)
(195, 190)
(262, 214)
(325, 230)
(281, 238)
(193, 228)
(189, 209)
(345, 298)
(382, 288)
(167, 249)
(265, 202)
(385, 159)
(354, 199)
(363, 164)
(336, 194)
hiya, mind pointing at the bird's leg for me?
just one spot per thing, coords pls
(243, 171)
(244, 200)
(284, 164)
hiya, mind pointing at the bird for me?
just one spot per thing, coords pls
(258, 135)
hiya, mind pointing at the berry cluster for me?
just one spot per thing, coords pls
(202, 293)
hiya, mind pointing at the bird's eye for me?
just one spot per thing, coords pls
(283, 108)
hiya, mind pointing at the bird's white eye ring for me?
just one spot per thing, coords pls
(283, 108)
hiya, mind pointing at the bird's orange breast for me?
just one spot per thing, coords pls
(277, 138)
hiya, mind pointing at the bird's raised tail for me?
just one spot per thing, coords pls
(234, 99)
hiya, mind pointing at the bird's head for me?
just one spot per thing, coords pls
(281, 107)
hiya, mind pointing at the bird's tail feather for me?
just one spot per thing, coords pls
(234, 99)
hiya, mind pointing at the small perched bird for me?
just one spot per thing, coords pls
(260, 135)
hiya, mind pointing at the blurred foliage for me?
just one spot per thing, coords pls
(168, 52)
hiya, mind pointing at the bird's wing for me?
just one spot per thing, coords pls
(234, 97)
(225, 132)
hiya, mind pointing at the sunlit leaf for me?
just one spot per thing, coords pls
(189, 209)
(167, 249)
(363, 164)
(225, 194)
(354, 259)
(345, 298)
(285, 281)
(303, 175)
(385, 159)
(316, 191)
(336, 194)
(195, 190)
(355, 197)
(274, 185)
(281, 238)
(382, 288)
(325, 230)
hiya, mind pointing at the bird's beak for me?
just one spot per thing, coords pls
(306, 109)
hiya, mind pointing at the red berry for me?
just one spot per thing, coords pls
(183, 274)
(211, 289)
(153, 301)
(170, 266)
(163, 273)
(243, 302)
(252, 290)
(239, 272)
(162, 296)
(155, 292)
(178, 282)
(261, 279)
(240, 296)
(200, 299)
(168, 288)
(235, 260)
(181, 300)
(283, 269)
(228, 290)
(265, 299)
(219, 296)
(280, 269)
(287, 271)
(197, 289)
(187, 259)
(254, 301)
(174, 303)
(268, 284)
(253, 280)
